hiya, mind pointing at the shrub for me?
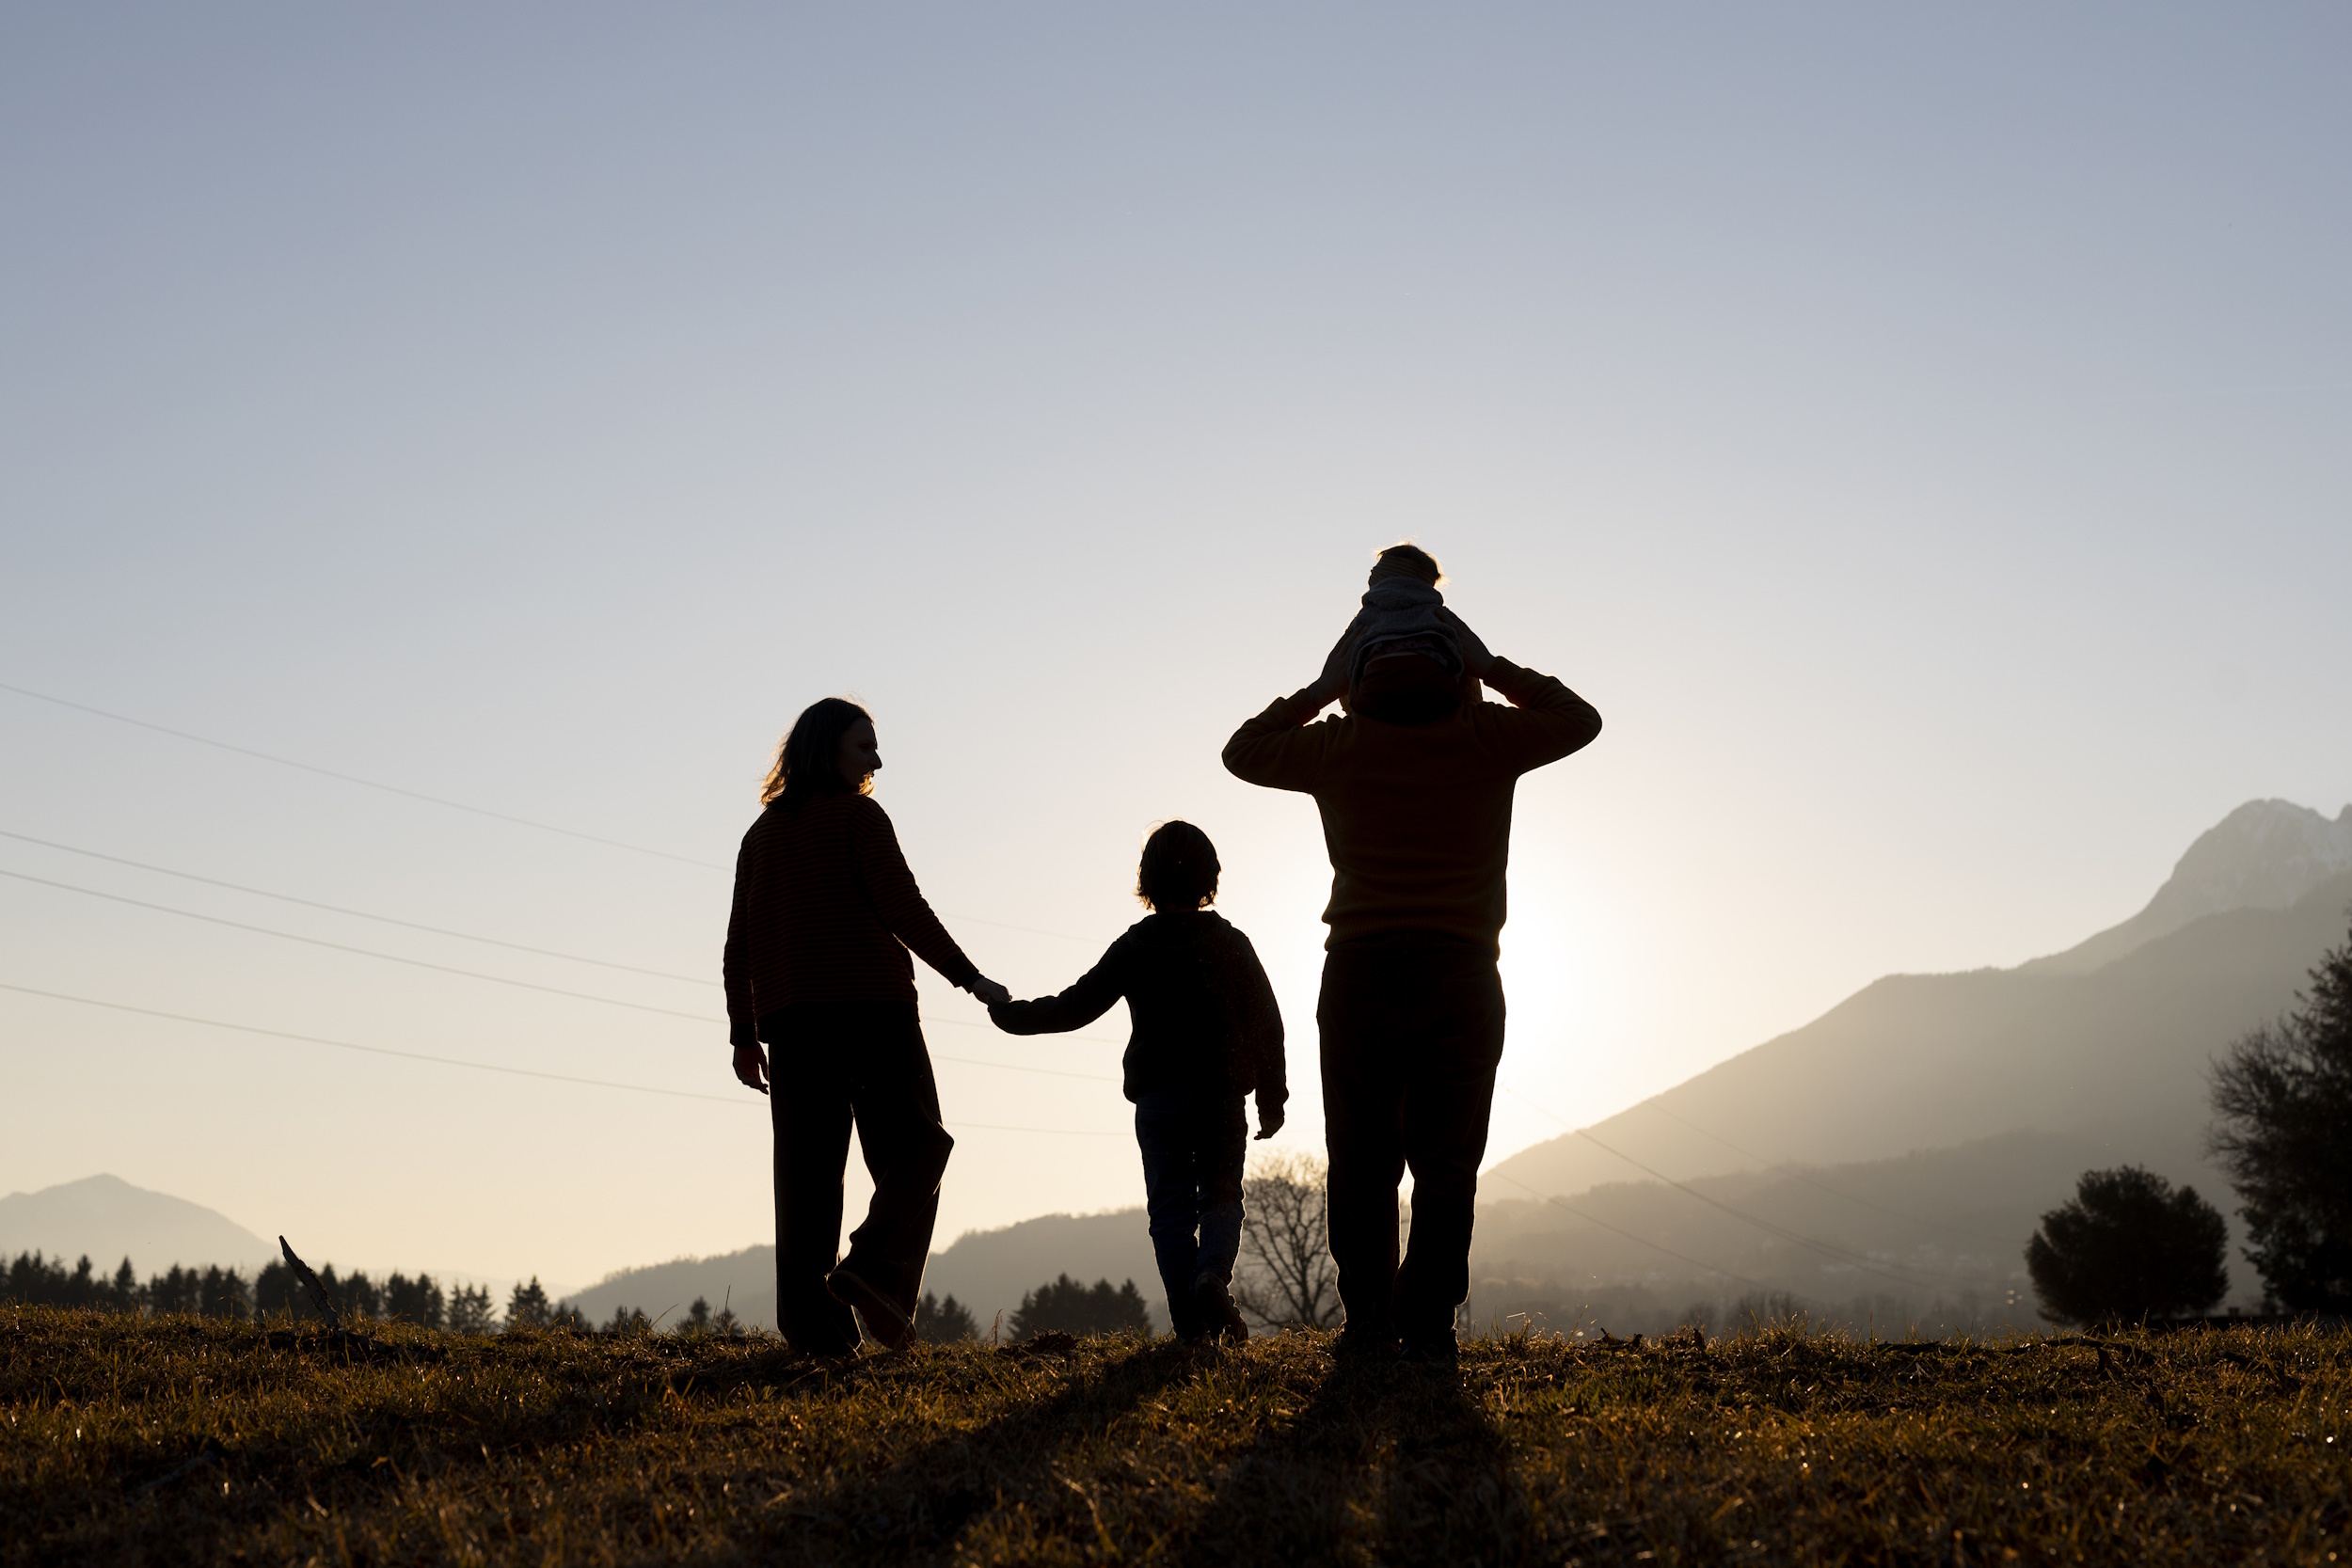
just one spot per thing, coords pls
(2128, 1246)
(2284, 1099)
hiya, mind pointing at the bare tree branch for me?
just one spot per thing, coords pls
(1287, 1277)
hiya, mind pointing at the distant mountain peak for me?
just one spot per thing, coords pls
(108, 1218)
(2264, 855)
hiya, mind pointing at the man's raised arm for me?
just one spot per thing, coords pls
(1546, 721)
(1276, 749)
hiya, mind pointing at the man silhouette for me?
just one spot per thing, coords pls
(1414, 785)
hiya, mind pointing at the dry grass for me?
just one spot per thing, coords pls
(179, 1440)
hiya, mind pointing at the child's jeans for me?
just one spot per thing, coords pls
(1192, 1146)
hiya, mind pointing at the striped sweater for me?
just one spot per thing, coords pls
(825, 909)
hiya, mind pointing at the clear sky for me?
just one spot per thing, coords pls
(1921, 431)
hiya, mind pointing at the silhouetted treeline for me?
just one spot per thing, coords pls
(275, 1295)
(1066, 1306)
(211, 1292)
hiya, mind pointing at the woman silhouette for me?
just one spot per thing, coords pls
(817, 966)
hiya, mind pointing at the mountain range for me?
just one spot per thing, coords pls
(1888, 1159)
(2101, 1052)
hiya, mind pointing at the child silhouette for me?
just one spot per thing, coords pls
(1206, 1033)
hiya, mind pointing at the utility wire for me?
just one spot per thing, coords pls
(1852, 1258)
(392, 920)
(441, 801)
(1836, 1254)
(356, 915)
(461, 1062)
(1781, 1169)
(1793, 1173)
(478, 974)
(1012, 1067)
(362, 952)
(1640, 1241)
(355, 779)
(370, 1050)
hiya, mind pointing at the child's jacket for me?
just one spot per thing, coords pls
(1203, 1015)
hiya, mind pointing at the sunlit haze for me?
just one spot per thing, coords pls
(1920, 433)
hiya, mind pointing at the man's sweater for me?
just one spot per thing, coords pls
(1202, 1012)
(825, 909)
(1417, 818)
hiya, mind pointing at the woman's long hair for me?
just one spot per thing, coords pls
(808, 760)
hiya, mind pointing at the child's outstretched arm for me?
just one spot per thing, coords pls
(1074, 1009)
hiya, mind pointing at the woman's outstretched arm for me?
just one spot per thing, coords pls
(899, 904)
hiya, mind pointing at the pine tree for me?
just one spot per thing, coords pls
(124, 1292)
(224, 1294)
(413, 1301)
(944, 1323)
(627, 1320)
(470, 1309)
(179, 1290)
(529, 1306)
(697, 1319)
(359, 1296)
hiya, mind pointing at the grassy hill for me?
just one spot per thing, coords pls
(188, 1441)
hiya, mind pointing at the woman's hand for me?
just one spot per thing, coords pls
(751, 1066)
(989, 991)
(1270, 1119)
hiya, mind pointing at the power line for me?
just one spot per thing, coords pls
(370, 1050)
(478, 1067)
(1641, 1240)
(1836, 1254)
(364, 784)
(478, 974)
(1015, 1067)
(410, 924)
(439, 801)
(356, 915)
(1789, 1169)
(362, 952)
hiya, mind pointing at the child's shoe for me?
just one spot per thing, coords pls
(1212, 1308)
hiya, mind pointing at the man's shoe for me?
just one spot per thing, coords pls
(875, 1312)
(1212, 1308)
(1432, 1355)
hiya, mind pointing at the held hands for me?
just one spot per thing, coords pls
(1270, 1119)
(751, 1067)
(989, 991)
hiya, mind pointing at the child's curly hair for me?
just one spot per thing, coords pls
(1179, 869)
